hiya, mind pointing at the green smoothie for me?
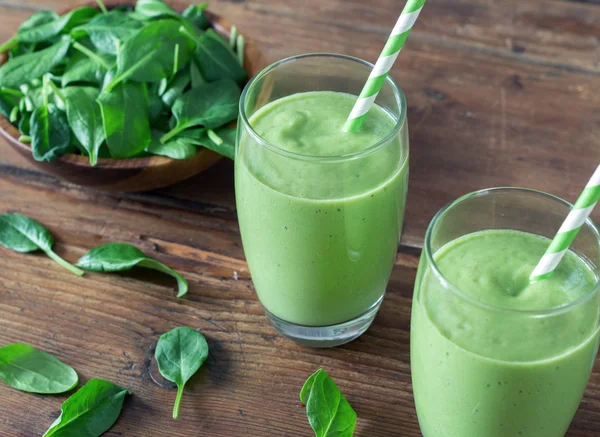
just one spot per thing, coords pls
(320, 232)
(479, 367)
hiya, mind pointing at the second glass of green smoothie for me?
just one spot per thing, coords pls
(320, 209)
(493, 354)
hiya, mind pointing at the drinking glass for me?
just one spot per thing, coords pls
(473, 373)
(320, 233)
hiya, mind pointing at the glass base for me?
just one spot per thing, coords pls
(326, 336)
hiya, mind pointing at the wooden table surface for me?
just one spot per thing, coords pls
(499, 93)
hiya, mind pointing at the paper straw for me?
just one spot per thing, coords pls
(569, 229)
(383, 65)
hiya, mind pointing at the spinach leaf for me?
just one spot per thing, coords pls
(328, 411)
(91, 411)
(119, 257)
(216, 59)
(176, 87)
(85, 119)
(104, 30)
(48, 30)
(149, 55)
(28, 369)
(178, 148)
(125, 118)
(154, 9)
(8, 101)
(221, 140)
(195, 15)
(37, 19)
(195, 75)
(85, 71)
(25, 68)
(156, 105)
(50, 133)
(23, 234)
(179, 354)
(211, 105)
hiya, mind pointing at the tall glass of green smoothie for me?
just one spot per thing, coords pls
(320, 209)
(493, 354)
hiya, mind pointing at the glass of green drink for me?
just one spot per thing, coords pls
(491, 353)
(320, 209)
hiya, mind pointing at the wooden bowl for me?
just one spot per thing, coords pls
(134, 174)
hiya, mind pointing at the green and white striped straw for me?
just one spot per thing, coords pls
(384, 64)
(569, 229)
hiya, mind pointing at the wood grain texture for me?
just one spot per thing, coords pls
(499, 93)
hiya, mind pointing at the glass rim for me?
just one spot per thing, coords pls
(400, 100)
(457, 291)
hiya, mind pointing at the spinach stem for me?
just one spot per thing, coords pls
(9, 44)
(241, 46)
(177, 402)
(212, 135)
(14, 114)
(11, 92)
(176, 60)
(45, 89)
(233, 37)
(90, 54)
(57, 92)
(25, 139)
(118, 46)
(63, 263)
(102, 6)
(173, 133)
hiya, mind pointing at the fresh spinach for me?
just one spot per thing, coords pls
(50, 133)
(211, 105)
(125, 117)
(50, 29)
(91, 411)
(23, 234)
(23, 69)
(28, 369)
(85, 119)
(119, 257)
(328, 411)
(106, 29)
(195, 15)
(179, 354)
(85, 71)
(176, 87)
(149, 55)
(37, 19)
(221, 140)
(217, 60)
(154, 9)
(195, 75)
(8, 101)
(179, 148)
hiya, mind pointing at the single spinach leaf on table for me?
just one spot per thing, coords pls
(119, 257)
(85, 119)
(23, 234)
(91, 411)
(149, 55)
(179, 354)
(50, 133)
(23, 69)
(154, 9)
(50, 29)
(211, 105)
(104, 30)
(216, 59)
(125, 118)
(179, 148)
(328, 411)
(195, 15)
(27, 369)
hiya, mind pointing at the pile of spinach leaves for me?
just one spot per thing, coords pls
(123, 83)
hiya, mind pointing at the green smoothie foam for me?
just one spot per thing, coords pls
(320, 238)
(475, 372)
